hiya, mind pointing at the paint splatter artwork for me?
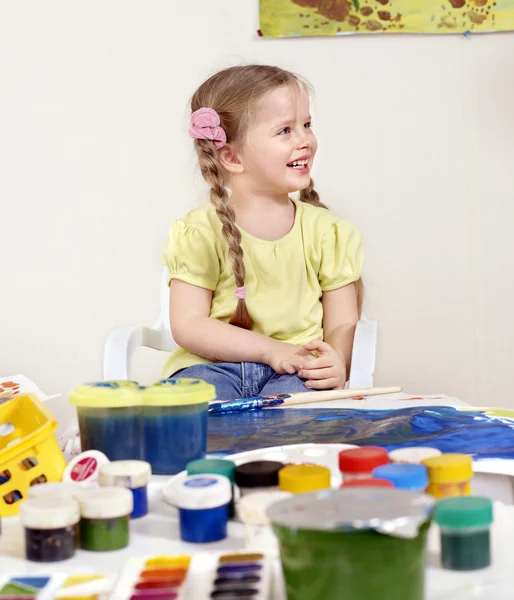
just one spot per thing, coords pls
(292, 18)
(487, 433)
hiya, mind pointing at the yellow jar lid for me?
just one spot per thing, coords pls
(300, 479)
(178, 392)
(449, 468)
(106, 394)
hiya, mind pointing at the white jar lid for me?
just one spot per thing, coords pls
(105, 502)
(84, 468)
(49, 513)
(251, 509)
(197, 492)
(125, 473)
(54, 490)
(413, 455)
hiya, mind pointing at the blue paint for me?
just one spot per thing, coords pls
(242, 404)
(204, 525)
(140, 502)
(446, 428)
(117, 432)
(404, 477)
(174, 436)
(227, 570)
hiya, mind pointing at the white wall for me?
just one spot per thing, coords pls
(417, 148)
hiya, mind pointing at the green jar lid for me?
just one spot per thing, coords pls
(178, 392)
(212, 466)
(464, 512)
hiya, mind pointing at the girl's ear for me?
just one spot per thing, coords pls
(230, 159)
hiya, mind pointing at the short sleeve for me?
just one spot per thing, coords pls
(191, 256)
(342, 256)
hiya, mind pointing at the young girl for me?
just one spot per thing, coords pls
(265, 290)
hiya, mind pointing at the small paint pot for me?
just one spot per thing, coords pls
(252, 512)
(215, 466)
(449, 475)
(84, 468)
(105, 515)
(300, 479)
(465, 524)
(202, 501)
(371, 482)
(414, 455)
(134, 475)
(50, 528)
(404, 477)
(358, 463)
(257, 476)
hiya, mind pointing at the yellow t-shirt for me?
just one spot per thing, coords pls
(285, 278)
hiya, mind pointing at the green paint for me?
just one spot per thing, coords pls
(16, 589)
(465, 551)
(356, 565)
(102, 535)
(356, 4)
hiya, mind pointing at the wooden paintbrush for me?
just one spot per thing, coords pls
(283, 400)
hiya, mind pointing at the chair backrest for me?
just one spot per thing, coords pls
(163, 323)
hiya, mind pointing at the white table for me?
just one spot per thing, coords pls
(158, 534)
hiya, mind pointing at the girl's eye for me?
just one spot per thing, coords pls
(284, 131)
(308, 125)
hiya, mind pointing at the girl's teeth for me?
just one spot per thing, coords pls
(298, 164)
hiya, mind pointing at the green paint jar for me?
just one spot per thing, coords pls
(465, 524)
(360, 543)
(105, 513)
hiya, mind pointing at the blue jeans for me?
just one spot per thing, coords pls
(243, 380)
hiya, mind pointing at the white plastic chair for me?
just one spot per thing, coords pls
(123, 342)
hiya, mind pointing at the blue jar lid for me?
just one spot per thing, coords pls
(404, 477)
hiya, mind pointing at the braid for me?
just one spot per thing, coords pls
(310, 196)
(213, 173)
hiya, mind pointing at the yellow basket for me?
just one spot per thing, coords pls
(29, 450)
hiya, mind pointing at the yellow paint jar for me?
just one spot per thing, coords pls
(449, 475)
(300, 479)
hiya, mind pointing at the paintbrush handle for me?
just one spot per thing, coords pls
(325, 395)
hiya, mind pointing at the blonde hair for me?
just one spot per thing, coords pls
(232, 93)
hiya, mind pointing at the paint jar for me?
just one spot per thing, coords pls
(362, 543)
(257, 476)
(50, 528)
(465, 524)
(134, 475)
(252, 512)
(105, 515)
(109, 416)
(300, 479)
(371, 482)
(404, 476)
(449, 475)
(83, 469)
(175, 423)
(359, 462)
(215, 466)
(414, 455)
(54, 490)
(202, 501)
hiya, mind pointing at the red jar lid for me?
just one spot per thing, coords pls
(362, 460)
(368, 483)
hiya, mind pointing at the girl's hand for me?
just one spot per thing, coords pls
(287, 358)
(326, 372)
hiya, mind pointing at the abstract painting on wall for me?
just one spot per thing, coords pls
(292, 18)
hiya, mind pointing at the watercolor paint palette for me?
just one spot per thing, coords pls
(58, 585)
(227, 576)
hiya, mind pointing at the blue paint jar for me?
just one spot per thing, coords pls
(175, 423)
(404, 476)
(109, 416)
(202, 502)
(134, 475)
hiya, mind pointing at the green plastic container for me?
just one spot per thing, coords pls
(353, 544)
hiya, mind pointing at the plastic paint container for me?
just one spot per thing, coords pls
(465, 524)
(105, 515)
(109, 415)
(175, 423)
(50, 528)
(54, 490)
(404, 476)
(360, 462)
(449, 475)
(413, 455)
(83, 469)
(252, 512)
(300, 479)
(371, 482)
(134, 475)
(202, 501)
(362, 543)
(215, 466)
(258, 476)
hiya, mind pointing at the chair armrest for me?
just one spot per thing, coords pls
(363, 355)
(123, 342)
